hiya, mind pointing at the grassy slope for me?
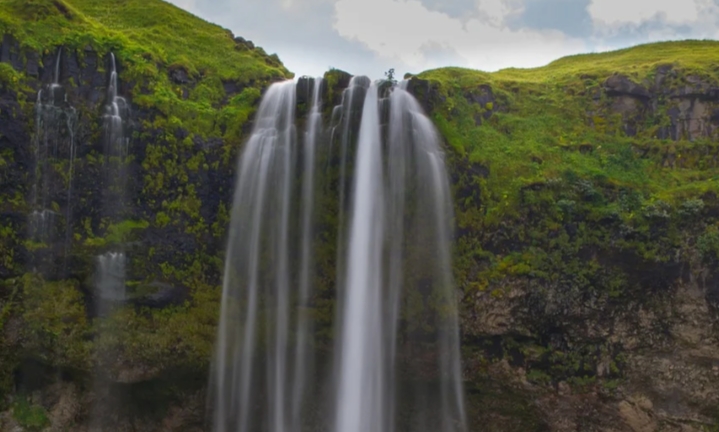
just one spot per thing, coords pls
(149, 38)
(144, 31)
(545, 118)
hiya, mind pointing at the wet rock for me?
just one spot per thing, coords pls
(32, 66)
(425, 92)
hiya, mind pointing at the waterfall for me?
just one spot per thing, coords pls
(360, 385)
(110, 270)
(396, 362)
(115, 147)
(110, 280)
(53, 143)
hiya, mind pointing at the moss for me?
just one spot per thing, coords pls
(55, 323)
(118, 233)
(30, 416)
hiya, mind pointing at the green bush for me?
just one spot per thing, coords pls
(31, 417)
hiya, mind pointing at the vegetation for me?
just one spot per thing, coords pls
(30, 417)
(584, 205)
(193, 88)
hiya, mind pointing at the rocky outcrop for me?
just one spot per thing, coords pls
(673, 106)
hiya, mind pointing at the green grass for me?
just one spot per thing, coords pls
(546, 115)
(143, 32)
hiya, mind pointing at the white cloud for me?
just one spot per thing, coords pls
(400, 28)
(631, 11)
(495, 11)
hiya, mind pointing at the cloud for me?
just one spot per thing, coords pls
(370, 36)
(299, 31)
(570, 17)
(401, 28)
(623, 11)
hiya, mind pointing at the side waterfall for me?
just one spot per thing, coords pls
(110, 284)
(110, 266)
(394, 360)
(54, 150)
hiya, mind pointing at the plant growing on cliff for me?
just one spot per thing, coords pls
(30, 416)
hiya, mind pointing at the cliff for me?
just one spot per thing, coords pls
(586, 245)
(587, 235)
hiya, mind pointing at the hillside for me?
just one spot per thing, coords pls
(588, 235)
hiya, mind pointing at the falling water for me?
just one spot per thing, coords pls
(53, 146)
(256, 280)
(111, 267)
(110, 280)
(115, 147)
(396, 349)
(360, 386)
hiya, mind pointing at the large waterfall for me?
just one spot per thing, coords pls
(377, 174)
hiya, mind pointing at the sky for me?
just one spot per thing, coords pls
(368, 37)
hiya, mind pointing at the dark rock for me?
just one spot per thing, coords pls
(662, 72)
(620, 85)
(482, 96)
(179, 75)
(233, 88)
(243, 45)
(166, 295)
(10, 53)
(32, 66)
(426, 93)
(715, 117)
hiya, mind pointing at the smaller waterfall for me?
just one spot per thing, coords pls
(41, 225)
(115, 146)
(110, 278)
(54, 150)
(116, 143)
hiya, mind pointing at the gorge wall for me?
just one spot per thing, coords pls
(586, 205)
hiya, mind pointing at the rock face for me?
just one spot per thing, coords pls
(688, 102)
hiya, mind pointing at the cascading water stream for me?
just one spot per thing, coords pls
(53, 143)
(396, 348)
(110, 270)
(110, 281)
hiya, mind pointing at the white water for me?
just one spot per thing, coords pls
(360, 388)
(54, 139)
(110, 278)
(396, 345)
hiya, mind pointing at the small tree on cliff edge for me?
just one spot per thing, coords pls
(390, 76)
